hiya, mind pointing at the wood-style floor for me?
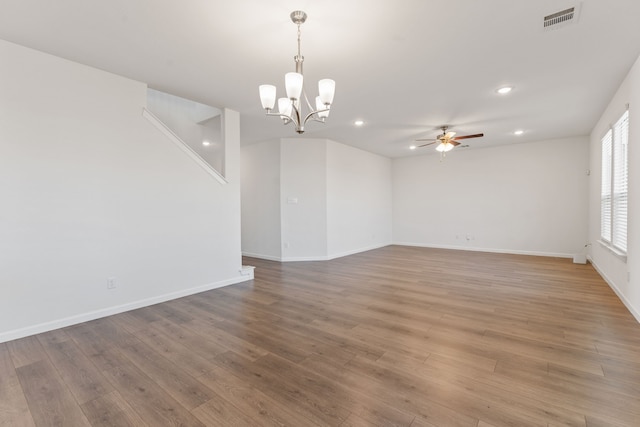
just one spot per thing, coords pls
(396, 336)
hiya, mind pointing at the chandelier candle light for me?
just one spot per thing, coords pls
(289, 108)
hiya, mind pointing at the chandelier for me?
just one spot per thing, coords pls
(290, 108)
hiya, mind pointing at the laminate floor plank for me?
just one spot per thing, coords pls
(152, 403)
(397, 336)
(329, 392)
(26, 351)
(14, 411)
(53, 337)
(225, 339)
(378, 345)
(199, 344)
(438, 385)
(219, 412)
(394, 395)
(171, 313)
(128, 322)
(168, 375)
(251, 401)
(168, 347)
(187, 306)
(467, 378)
(79, 374)
(355, 421)
(271, 339)
(330, 341)
(232, 309)
(50, 401)
(250, 295)
(550, 389)
(576, 359)
(111, 410)
(99, 342)
(288, 394)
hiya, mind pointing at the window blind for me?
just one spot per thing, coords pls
(614, 190)
(605, 199)
(620, 192)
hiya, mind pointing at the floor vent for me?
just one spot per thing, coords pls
(562, 18)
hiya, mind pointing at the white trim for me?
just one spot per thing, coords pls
(635, 313)
(305, 258)
(314, 258)
(622, 256)
(247, 271)
(183, 145)
(419, 245)
(497, 251)
(357, 251)
(110, 311)
(261, 256)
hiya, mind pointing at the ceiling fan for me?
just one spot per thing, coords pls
(447, 140)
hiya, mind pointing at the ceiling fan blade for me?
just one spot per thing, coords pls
(478, 135)
(430, 143)
(454, 143)
(449, 135)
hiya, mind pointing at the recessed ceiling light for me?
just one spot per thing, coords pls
(358, 122)
(206, 143)
(518, 132)
(412, 147)
(504, 90)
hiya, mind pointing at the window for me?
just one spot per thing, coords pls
(614, 194)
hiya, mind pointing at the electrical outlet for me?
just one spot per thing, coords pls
(111, 283)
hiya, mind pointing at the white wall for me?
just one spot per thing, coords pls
(303, 179)
(622, 275)
(529, 198)
(358, 200)
(333, 200)
(261, 230)
(91, 190)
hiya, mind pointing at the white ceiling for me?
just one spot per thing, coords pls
(405, 67)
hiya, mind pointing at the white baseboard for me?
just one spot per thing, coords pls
(635, 313)
(497, 251)
(315, 258)
(357, 251)
(305, 258)
(261, 256)
(110, 311)
(420, 245)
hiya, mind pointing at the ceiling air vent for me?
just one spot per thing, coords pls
(562, 18)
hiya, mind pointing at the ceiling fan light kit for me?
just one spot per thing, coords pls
(447, 140)
(290, 108)
(444, 147)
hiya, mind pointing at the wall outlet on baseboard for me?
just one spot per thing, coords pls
(111, 283)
